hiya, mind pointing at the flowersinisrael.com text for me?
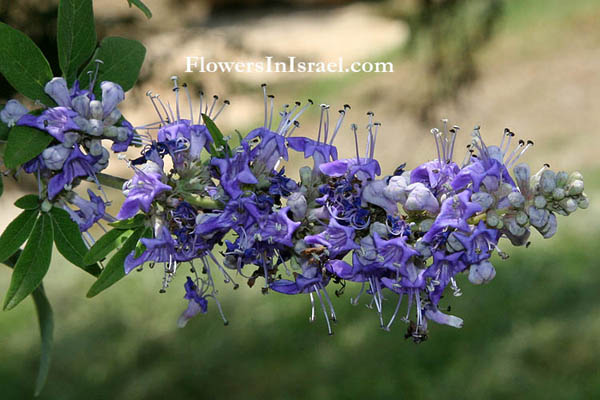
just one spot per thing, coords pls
(291, 64)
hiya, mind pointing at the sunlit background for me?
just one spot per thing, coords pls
(532, 333)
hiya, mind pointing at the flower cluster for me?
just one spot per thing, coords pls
(78, 124)
(230, 209)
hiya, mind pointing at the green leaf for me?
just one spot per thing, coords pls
(69, 243)
(144, 8)
(76, 35)
(24, 143)
(3, 129)
(16, 233)
(115, 269)
(103, 246)
(122, 60)
(23, 64)
(46, 322)
(33, 263)
(219, 140)
(28, 202)
(131, 223)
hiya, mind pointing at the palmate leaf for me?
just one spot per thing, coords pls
(16, 233)
(32, 265)
(23, 64)
(46, 323)
(76, 36)
(24, 143)
(115, 269)
(69, 243)
(122, 60)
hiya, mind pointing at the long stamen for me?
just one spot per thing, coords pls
(354, 130)
(354, 301)
(171, 111)
(339, 123)
(333, 316)
(272, 111)
(225, 104)
(504, 135)
(149, 94)
(189, 99)
(324, 309)
(377, 125)
(93, 81)
(157, 97)
(264, 88)
(529, 144)
(176, 90)
(296, 125)
(201, 93)
(212, 107)
(312, 308)
(435, 132)
(299, 113)
(454, 132)
(515, 151)
(326, 127)
(395, 312)
(323, 106)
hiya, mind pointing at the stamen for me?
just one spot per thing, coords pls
(312, 308)
(293, 121)
(212, 107)
(296, 125)
(515, 151)
(171, 112)
(272, 111)
(333, 316)
(387, 328)
(157, 97)
(324, 310)
(339, 123)
(529, 144)
(93, 81)
(326, 127)
(435, 132)
(176, 90)
(354, 129)
(377, 125)
(264, 88)
(323, 107)
(354, 301)
(189, 99)
(149, 94)
(225, 104)
(201, 94)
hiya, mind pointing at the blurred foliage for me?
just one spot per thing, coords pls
(445, 37)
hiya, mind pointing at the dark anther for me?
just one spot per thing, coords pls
(310, 101)
(263, 85)
(546, 165)
(297, 103)
(227, 102)
(216, 97)
(45, 123)
(506, 130)
(527, 245)
(530, 142)
(521, 142)
(184, 84)
(162, 291)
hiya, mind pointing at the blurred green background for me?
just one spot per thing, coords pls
(532, 333)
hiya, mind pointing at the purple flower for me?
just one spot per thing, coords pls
(269, 149)
(57, 89)
(337, 238)
(89, 212)
(12, 112)
(279, 228)
(479, 243)
(442, 271)
(76, 165)
(363, 168)
(197, 303)
(320, 152)
(434, 174)
(160, 249)
(121, 146)
(141, 191)
(393, 253)
(235, 171)
(309, 281)
(56, 121)
(454, 213)
(477, 172)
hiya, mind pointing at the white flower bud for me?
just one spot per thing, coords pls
(583, 202)
(55, 156)
(112, 95)
(96, 127)
(575, 188)
(575, 176)
(491, 218)
(561, 178)
(538, 217)
(122, 134)
(297, 204)
(12, 112)
(521, 218)
(568, 204)
(81, 104)
(396, 189)
(96, 110)
(112, 118)
(58, 90)
(95, 147)
(481, 273)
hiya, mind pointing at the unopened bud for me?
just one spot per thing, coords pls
(297, 204)
(516, 199)
(548, 181)
(575, 188)
(492, 218)
(583, 202)
(96, 110)
(521, 218)
(54, 157)
(575, 176)
(550, 228)
(95, 147)
(539, 202)
(538, 217)
(481, 273)
(453, 244)
(81, 104)
(12, 112)
(46, 205)
(96, 127)
(57, 89)
(561, 178)
(568, 204)
(485, 200)
(558, 193)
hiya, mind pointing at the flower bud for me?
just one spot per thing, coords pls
(306, 176)
(453, 244)
(112, 94)
(550, 228)
(396, 189)
(46, 205)
(485, 200)
(540, 202)
(513, 227)
(122, 134)
(492, 219)
(96, 110)
(516, 199)
(583, 202)
(521, 218)
(426, 224)
(561, 178)
(12, 112)
(95, 147)
(112, 118)
(568, 204)
(522, 174)
(481, 273)
(548, 181)
(81, 104)
(58, 90)
(538, 217)
(575, 176)
(421, 198)
(111, 132)
(423, 248)
(96, 127)
(55, 156)
(103, 162)
(575, 188)
(297, 204)
(558, 193)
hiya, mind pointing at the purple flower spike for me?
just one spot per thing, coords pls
(270, 148)
(454, 213)
(235, 171)
(363, 168)
(89, 212)
(337, 238)
(320, 152)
